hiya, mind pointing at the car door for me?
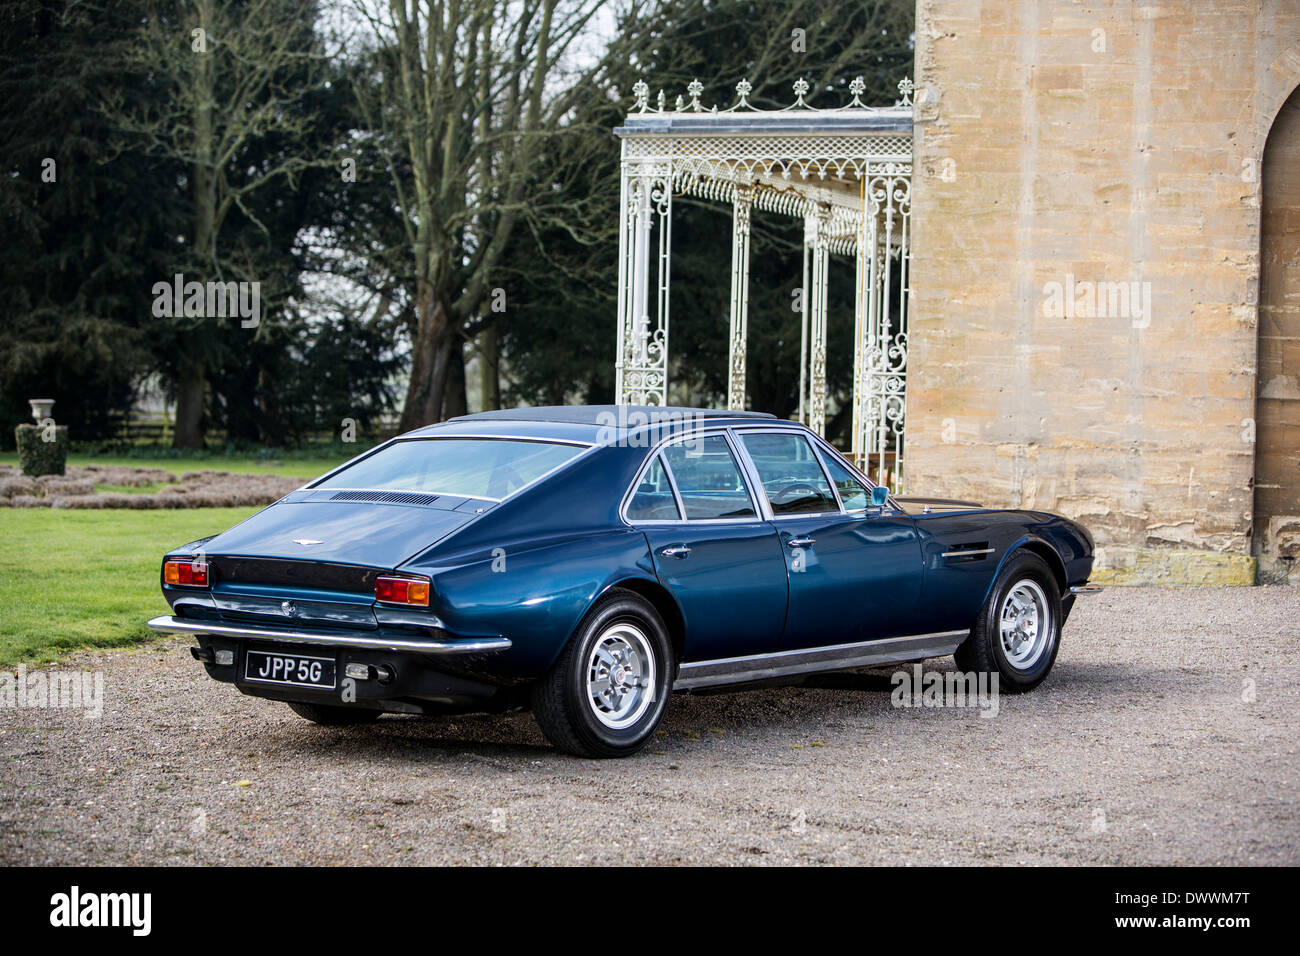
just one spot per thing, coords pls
(854, 570)
(712, 548)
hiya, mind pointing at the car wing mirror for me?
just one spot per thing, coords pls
(879, 496)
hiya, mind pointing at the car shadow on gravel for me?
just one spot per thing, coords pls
(414, 738)
(865, 696)
(787, 705)
(1064, 674)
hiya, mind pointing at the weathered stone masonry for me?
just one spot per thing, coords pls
(1075, 160)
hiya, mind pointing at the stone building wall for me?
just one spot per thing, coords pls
(1086, 267)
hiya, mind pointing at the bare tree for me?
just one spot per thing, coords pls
(231, 76)
(469, 92)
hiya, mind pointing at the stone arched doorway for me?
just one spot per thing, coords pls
(1277, 401)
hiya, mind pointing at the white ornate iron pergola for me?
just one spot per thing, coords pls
(846, 171)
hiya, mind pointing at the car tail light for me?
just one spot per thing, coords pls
(190, 574)
(402, 591)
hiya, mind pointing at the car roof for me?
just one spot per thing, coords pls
(604, 414)
(588, 423)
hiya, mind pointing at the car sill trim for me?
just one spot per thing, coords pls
(433, 646)
(757, 667)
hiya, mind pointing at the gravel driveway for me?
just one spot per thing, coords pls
(1141, 748)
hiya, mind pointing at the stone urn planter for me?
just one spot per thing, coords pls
(41, 408)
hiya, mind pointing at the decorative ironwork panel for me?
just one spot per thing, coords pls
(880, 364)
(817, 237)
(742, 199)
(641, 369)
(846, 172)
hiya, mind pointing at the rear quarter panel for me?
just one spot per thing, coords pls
(530, 568)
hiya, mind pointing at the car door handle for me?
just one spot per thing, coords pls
(801, 542)
(678, 551)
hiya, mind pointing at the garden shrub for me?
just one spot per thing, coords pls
(39, 457)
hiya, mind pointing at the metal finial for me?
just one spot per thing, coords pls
(905, 86)
(743, 89)
(695, 88)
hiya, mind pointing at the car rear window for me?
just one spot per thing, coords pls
(474, 467)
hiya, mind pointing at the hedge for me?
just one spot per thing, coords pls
(39, 457)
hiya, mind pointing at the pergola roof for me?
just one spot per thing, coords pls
(795, 158)
(856, 120)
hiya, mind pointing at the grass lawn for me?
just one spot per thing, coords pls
(304, 468)
(71, 579)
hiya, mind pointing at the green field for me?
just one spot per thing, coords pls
(71, 579)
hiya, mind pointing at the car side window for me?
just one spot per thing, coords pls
(853, 493)
(653, 500)
(792, 478)
(708, 479)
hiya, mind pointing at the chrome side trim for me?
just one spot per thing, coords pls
(967, 554)
(739, 670)
(1083, 589)
(357, 639)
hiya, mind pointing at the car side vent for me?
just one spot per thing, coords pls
(969, 551)
(386, 497)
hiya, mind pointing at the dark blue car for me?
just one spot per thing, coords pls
(588, 561)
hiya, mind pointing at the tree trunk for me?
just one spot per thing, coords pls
(191, 378)
(430, 354)
(191, 387)
(455, 401)
(489, 382)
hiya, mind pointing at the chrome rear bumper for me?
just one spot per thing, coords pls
(1082, 589)
(356, 639)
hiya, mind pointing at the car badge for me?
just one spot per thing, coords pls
(306, 542)
(287, 607)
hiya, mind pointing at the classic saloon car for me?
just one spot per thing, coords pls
(588, 561)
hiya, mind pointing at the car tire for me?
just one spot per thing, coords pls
(332, 716)
(607, 692)
(1018, 631)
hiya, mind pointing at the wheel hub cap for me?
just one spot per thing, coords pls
(620, 676)
(1025, 624)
